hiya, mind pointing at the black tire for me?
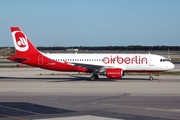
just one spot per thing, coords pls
(92, 78)
(151, 78)
(96, 76)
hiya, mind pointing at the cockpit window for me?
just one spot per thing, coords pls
(163, 60)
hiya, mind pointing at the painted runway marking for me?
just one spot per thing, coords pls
(84, 117)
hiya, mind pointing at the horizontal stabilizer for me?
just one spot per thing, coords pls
(15, 58)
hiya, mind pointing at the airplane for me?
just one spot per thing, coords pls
(113, 66)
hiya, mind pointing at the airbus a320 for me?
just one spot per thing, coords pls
(113, 66)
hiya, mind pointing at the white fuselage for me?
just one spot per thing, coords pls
(127, 62)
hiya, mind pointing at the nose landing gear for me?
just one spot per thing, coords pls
(151, 77)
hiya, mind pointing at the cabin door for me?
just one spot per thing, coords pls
(151, 60)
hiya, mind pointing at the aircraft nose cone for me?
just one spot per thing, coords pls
(172, 66)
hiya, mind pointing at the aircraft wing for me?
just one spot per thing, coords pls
(88, 66)
(95, 66)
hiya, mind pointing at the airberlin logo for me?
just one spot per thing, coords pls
(20, 41)
(127, 60)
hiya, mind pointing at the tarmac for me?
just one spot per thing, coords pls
(37, 94)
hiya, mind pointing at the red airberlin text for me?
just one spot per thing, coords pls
(126, 60)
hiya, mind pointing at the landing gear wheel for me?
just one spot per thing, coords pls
(92, 78)
(96, 76)
(151, 78)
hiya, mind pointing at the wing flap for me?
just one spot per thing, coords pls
(88, 66)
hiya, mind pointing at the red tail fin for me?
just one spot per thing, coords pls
(22, 44)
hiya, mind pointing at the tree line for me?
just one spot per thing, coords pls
(119, 48)
(103, 48)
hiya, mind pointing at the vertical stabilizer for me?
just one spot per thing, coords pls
(22, 44)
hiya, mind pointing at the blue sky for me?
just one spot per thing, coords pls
(92, 22)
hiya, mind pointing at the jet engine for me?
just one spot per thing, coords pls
(114, 73)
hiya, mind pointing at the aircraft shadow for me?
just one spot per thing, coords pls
(57, 79)
(71, 78)
(144, 79)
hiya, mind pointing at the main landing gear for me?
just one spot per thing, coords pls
(94, 76)
(151, 77)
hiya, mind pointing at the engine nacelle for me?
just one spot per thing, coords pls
(114, 73)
